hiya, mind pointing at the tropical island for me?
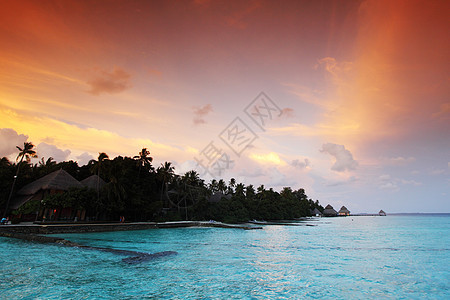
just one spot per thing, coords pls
(132, 189)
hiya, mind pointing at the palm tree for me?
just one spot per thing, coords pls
(240, 188)
(213, 186)
(144, 159)
(249, 191)
(166, 172)
(97, 165)
(231, 186)
(46, 166)
(261, 189)
(26, 153)
(193, 189)
(115, 191)
(47, 163)
(193, 178)
(221, 186)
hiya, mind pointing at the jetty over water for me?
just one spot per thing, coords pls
(380, 213)
(365, 215)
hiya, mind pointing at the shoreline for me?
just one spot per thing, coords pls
(7, 230)
(38, 233)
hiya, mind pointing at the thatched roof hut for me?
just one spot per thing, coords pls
(344, 211)
(382, 213)
(54, 182)
(59, 180)
(216, 197)
(93, 181)
(316, 212)
(329, 211)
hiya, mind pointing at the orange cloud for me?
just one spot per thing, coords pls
(79, 140)
(287, 112)
(400, 50)
(112, 82)
(237, 18)
(394, 77)
(444, 112)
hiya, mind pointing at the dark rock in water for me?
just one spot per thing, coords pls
(115, 251)
(134, 256)
(142, 257)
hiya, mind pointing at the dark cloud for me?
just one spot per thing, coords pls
(110, 82)
(200, 113)
(344, 158)
(9, 139)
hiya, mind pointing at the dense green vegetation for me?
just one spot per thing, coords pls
(137, 190)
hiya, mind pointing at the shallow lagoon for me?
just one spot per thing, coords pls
(352, 257)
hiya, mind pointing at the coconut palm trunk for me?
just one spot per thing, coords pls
(25, 153)
(166, 173)
(12, 189)
(96, 166)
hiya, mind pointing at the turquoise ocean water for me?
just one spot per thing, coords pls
(393, 257)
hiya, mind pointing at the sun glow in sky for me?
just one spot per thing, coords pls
(363, 87)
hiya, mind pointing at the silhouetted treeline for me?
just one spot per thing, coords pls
(137, 190)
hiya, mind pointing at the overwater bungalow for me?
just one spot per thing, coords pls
(382, 213)
(329, 211)
(344, 211)
(316, 212)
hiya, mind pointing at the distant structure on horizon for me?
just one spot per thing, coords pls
(329, 211)
(344, 211)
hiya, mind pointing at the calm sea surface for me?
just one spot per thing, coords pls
(390, 257)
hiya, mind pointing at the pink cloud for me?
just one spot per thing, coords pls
(45, 150)
(9, 139)
(287, 112)
(200, 113)
(344, 158)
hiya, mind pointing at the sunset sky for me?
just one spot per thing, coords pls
(361, 91)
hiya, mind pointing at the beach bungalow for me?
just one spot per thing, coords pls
(53, 183)
(93, 182)
(329, 211)
(344, 211)
(216, 197)
(382, 213)
(316, 212)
